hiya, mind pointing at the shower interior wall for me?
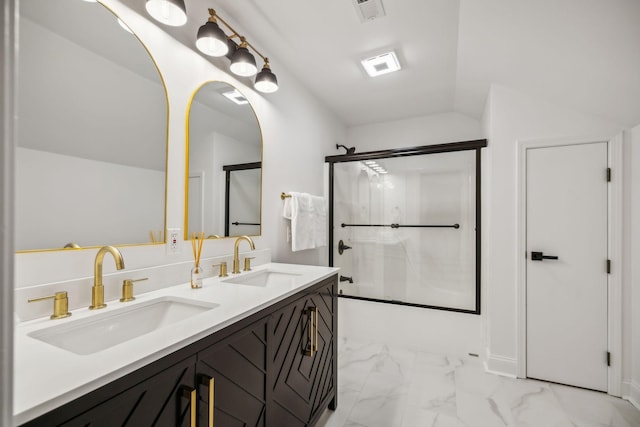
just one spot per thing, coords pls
(414, 265)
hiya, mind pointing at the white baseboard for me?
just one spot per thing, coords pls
(500, 365)
(631, 392)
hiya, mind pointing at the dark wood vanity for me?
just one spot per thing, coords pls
(275, 368)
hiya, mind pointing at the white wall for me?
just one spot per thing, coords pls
(423, 329)
(298, 133)
(510, 117)
(126, 126)
(122, 208)
(412, 132)
(633, 259)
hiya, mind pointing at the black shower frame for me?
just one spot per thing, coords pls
(227, 189)
(476, 145)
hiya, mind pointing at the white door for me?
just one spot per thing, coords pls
(567, 297)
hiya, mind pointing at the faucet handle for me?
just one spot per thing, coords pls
(247, 263)
(60, 304)
(127, 289)
(223, 268)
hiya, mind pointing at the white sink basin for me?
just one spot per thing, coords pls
(265, 278)
(95, 333)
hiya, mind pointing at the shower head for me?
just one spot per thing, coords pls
(350, 150)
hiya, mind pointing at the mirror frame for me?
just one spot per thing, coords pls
(166, 150)
(187, 144)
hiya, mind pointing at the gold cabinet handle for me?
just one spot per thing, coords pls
(60, 304)
(312, 312)
(192, 395)
(210, 383)
(315, 322)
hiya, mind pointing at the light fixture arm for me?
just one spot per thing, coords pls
(213, 16)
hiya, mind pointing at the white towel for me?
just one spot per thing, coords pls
(308, 215)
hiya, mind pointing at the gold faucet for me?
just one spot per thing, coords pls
(236, 259)
(97, 292)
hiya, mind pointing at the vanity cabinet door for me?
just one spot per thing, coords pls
(302, 360)
(235, 370)
(158, 401)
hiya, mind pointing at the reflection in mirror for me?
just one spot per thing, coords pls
(242, 199)
(224, 164)
(91, 155)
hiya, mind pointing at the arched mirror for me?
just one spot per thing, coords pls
(224, 164)
(92, 126)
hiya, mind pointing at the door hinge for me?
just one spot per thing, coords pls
(608, 358)
(608, 174)
(608, 266)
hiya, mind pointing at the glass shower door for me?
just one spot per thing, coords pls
(404, 229)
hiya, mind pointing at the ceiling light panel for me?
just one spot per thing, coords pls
(384, 63)
(236, 97)
(368, 10)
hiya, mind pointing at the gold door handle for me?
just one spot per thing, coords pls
(192, 395)
(211, 384)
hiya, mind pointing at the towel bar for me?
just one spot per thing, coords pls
(284, 196)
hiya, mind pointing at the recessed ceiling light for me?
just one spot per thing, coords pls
(236, 97)
(381, 64)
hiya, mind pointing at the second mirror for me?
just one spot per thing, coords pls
(224, 164)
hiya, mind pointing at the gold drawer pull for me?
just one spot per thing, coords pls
(312, 312)
(315, 318)
(211, 384)
(192, 395)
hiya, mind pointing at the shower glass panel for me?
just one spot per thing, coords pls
(405, 228)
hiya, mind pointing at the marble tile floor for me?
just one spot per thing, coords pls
(384, 386)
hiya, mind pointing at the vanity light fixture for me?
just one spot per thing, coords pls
(266, 81)
(169, 12)
(243, 63)
(381, 64)
(211, 40)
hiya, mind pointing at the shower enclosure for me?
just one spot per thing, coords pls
(405, 225)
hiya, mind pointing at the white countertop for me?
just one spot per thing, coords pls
(47, 377)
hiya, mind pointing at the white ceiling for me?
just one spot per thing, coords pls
(583, 54)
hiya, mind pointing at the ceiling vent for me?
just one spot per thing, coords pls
(368, 10)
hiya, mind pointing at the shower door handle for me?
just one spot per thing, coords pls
(539, 256)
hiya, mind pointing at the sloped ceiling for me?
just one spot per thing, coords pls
(583, 54)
